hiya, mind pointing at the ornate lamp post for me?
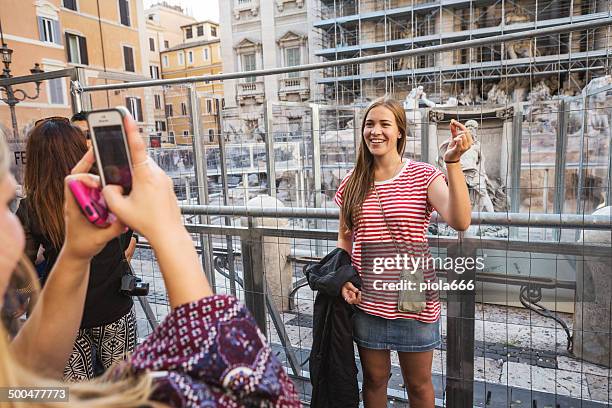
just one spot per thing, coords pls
(11, 98)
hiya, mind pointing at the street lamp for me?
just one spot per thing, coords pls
(11, 98)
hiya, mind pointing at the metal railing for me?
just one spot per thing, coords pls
(460, 306)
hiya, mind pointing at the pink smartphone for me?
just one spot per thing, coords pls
(92, 203)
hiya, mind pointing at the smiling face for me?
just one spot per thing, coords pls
(12, 239)
(381, 132)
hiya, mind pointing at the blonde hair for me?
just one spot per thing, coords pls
(116, 388)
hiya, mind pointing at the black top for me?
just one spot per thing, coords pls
(103, 303)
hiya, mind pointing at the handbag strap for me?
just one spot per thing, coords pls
(386, 222)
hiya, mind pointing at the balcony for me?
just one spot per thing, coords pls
(241, 7)
(294, 89)
(247, 90)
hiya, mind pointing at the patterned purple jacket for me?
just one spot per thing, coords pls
(210, 353)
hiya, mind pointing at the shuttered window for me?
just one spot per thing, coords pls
(70, 4)
(124, 12)
(76, 48)
(49, 30)
(56, 91)
(134, 105)
(128, 59)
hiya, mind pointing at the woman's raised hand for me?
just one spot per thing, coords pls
(460, 141)
(151, 207)
(83, 239)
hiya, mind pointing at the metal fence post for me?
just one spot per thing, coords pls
(562, 122)
(270, 154)
(460, 331)
(252, 268)
(201, 180)
(424, 135)
(316, 167)
(515, 166)
(228, 219)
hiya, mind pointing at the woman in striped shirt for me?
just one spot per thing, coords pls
(387, 199)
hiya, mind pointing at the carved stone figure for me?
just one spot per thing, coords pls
(473, 166)
(497, 95)
(417, 94)
(520, 90)
(521, 49)
(539, 93)
(470, 96)
(597, 121)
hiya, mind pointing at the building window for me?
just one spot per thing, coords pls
(154, 70)
(208, 106)
(206, 54)
(77, 49)
(200, 30)
(292, 59)
(189, 32)
(48, 30)
(190, 57)
(213, 31)
(181, 58)
(171, 137)
(186, 133)
(165, 61)
(211, 135)
(183, 109)
(248, 64)
(128, 58)
(157, 100)
(70, 4)
(124, 12)
(134, 105)
(160, 126)
(152, 44)
(166, 44)
(56, 91)
(169, 110)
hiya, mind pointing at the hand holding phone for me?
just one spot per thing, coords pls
(91, 203)
(111, 147)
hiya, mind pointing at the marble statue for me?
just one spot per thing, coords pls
(417, 94)
(473, 166)
(598, 121)
(497, 95)
(521, 49)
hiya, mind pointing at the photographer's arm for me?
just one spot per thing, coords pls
(46, 340)
(152, 210)
(55, 316)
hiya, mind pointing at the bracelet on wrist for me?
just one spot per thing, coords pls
(451, 161)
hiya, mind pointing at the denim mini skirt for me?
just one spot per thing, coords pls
(404, 335)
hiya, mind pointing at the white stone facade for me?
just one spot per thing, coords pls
(263, 34)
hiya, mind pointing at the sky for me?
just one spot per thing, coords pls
(200, 9)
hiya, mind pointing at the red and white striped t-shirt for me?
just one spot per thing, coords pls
(404, 201)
